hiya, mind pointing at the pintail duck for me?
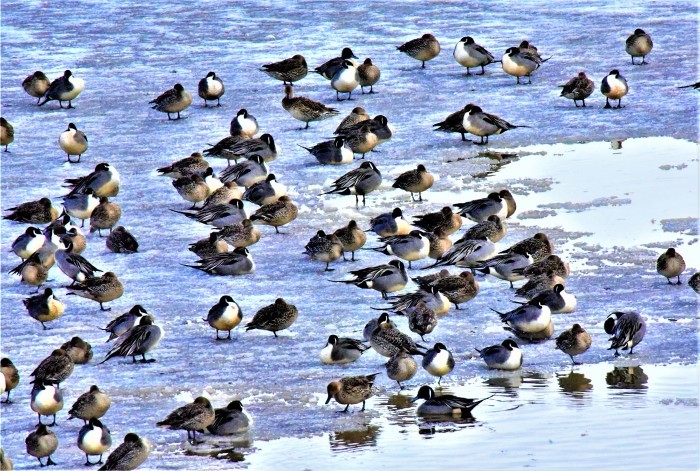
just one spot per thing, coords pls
(289, 70)
(211, 88)
(94, 438)
(352, 237)
(578, 89)
(537, 284)
(341, 350)
(42, 443)
(469, 54)
(36, 85)
(551, 263)
(415, 181)
(324, 248)
(7, 133)
(557, 299)
(74, 266)
(264, 146)
(275, 317)
(44, 307)
(192, 188)
(192, 417)
(506, 356)
(529, 318)
(46, 399)
(78, 350)
(694, 282)
(427, 280)
(401, 367)
(480, 209)
(73, 142)
(195, 163)
(128, 455)
(123, 323)
(244, 124)
(439, 243)
(242, 234)
(444, 219)
(104, 181)
(627, 330)
(231, 420)
(305, 109)
(334, 152)
(220, 215)
(423, 49)
(422, 320)
(209, 246)
(507, 196)
(361, 140)
(359, 182)
(222, 149)
(329, 68)
(492, 229)
(383, 278)
(387, 340)
(5, 461)
(390, 224)
(122, 241)
(105, 216)
(455, 122)
(238, 262)
(503, 266)
(56, 368)
(358, 114)
(228, 191)
(352, 390)
(92, 404)
(247, 173)
(574, 341)
(224, 315)
(345, 80)
(438, 361)
(521, 62)
(482, 124)
(369, 75)
(100, 289)
(539, 246)
(639, 44)
(372, 325)
(265, 192)
(172, 101)
(33, 212)
(65, 88)
(445, 404)
(379, 126)
(432, 298)
(670, 264)
(614, 86)
(467, 253)
(281, 212)
(458, 289)
(81, 205)
(11, 375)
(410, 247)
(695, 86)
(138, 340)
(534, 337)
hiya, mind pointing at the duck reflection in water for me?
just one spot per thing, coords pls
(627, 377)
(351, 440)
(574, 384)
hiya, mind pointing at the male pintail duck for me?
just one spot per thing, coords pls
(406, 303)
(480, 209)
(192, 417)
(383, 278)
(238, 262)
(614, 86)
(264, 146)
(345, 80)
(574, 341)
(438, 361)
(372, 325)
(265, 192)
(401, 367)
(352, 390)
(444, 219)
(94, 438)
(305, 109)
(324, 248)
(274, 317)
(36, 85)
(389, 224)
(222, 149)
(65, 88)
(7, 133)
(415, 181)
(639, 44)
(195, 163)
(122, 241)
(247, 173)
(128, 455)
(220, 215)
(329, 68)
(33, 212)
(11, 375)
(244, 124)
(225, 316)
(521, 63)
(506, 356)
(379, 126)
(423, 49)
(466, 253)
(341, 350)
(56, 367)
(359, 182)
(410, 247)
(627, 330)
(243, 234)
(172, 101)
(73, 142)
(469, 54)
(277, 214)
(387, 340)
(578, 88)
(557, 299)
(78, 350)
(334, 152)
(81, 205)
(369, 75)
(231, 420)
(484, 124)
(46, 399)
(211, 88)
(76, 267)
(492, 229)
(457, 289)
(444, 405)
(670, 264)
(537, 284)
(352, 237)
(105, 216)
(42, 443)
(138, 340)
(529, 318)
(92, 404)
(100, 289)
(44, 307)
(358, 114)
(288, 70)
(123, 323)
(104, 181)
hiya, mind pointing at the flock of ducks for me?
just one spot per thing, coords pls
(226, 251)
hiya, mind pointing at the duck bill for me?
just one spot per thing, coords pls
(329, 399)
(415, 399)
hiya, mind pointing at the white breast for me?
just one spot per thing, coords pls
(346, 80)
(325, 354)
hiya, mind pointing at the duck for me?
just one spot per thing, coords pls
(558, 300)
(122, 241)
(46, 399)
(359, 182)
(78, 350)
(492, 229)
(467, 253)
(5, 461)
(533, 337)
(265, 192)
(422, 320)
(433, 299)
(105, 216)
(529, 318)
(639, 44)
(192, 417)
(578, 89)
(387, 340)
(372, 325)
(81, 205)
(92, 404)
(423, 49)
(44, 307)
(379, 126)
(236, 263)
(455, 122)
(469, 54)
(369, 74)
(231, 420)
(36, 85)
(670, 264)
(444, 219)
(401, 367)
(329, 68)
(94, 438)
(277, 214)
(445, 404)
(264, 146)
(352, 238)
(42, 443)
(10, 376)
(357, 115)
(574, 341)
(40, 211)
(694, 282)
(440, 243)
(538, 246)
(220, 215)
(458, 289)
(438, 361)
(694, 86)
(614, 86)
(228, 191)
(352, 390)
(28, 243)
(56, 368)
(224, 315)
(130, 454)
(324, 248)
(390, 224)
(247, 173)
(537, 284)
(361, 140)
(192, 188)
(415, 181)
(195, 163)
(244, 124)
(627, 330)
(482, 124)
(551, 263)
(480, 209)
(209, 246)
(100, 289)
(104, 181)
(274, 317)
(333, 152)
(305, 109)
(7, 133)
(521, 63)
(506, 356)
(73, 142)
(123, 323)
(383, 278)
(222, 149)
(211, 88)
(410, 247)
(74, 266)
(288, 70)
(242, 234)
(341, 350)
(64, 88)
(345, 80)
(174, 100)
(138, 340)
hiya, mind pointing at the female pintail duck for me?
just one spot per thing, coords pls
(508, 198)
(627, 330)
(7, 133)
(369, 75)
(433, 299)
(44, 307)
(220, 215)
(105, 216)
(100, 289)
(231, 420)
(334, 152)
(537, 284)
(387, 340)
(352, 237)
(329, 68)
(288, 70)
(57, 367)
(274, 317)
(81, 205)
(130, 454)
(410, 247)
(65, 88)
(531, 317)
(122, 241)
(265, 192)
(238, 262)
(372, 325)
(225, 316)
(104, 181)
(341, 350)
(694, 282)
(458, 289)
(195, 163)
(578, 89)
(639, 44)
(345, 80)
(521, 63)
(192, 417)
(359, 182)
(362, 140)
(480, 209)
(614, 86)
(438, 361)
(467, 253)
(383, 278)
(92, 404)
(172, 101)
(492, 229)
(46, 399)
(228, 191)
(539, 246)
(352, 390)
(264, 146)
(455, 122)
(424, 281)
(123, 323)
(36, 85)
(209, 246)
(670, 264)
(247, 173)
(244, 124)
(379, 126)
(423, 49)
(445, 404)
(506, 356)
(192, 188)
(439, 243)
(222, 149)
(415, 181)
(76, 267)
(482, 124)
(243, 234)
(527, 46)
(305, 109)
(94, 438)
(401, 367)
(211, 88)
(11, 375)
(574, 341)
(73, 142)
(469, 54)
(324, 248)
(390, 224)
(277, 214)
(33, 212)
(138, 340)
(422, 320)
(444, 219)
(42, 443)
(78, 350)
(357, 115)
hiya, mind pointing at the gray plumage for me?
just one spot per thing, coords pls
(506, 356)
(454, 122)
(438, 361)
(265, 192)
(529, 318)
(469, 54)
(412, 246)
(333, 152)
(104, 181)
(74, 266)
(123, 323)
(445, 404)
(138, 340)
(390, 224)
(329, 68)
(627, 330)
(238, 262)
(64, 88)
(275, 317)
(220, 215)
(383, 278)
(694, 282)
(492, 229)
(226, 148)
(28, 243)
(480, 209)
(372, 325)
(244, 124)
(342, 350)
(388, 340)
(264, 146)
(231, 420)
(359, 182)
(482, 124)
(246, 173)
